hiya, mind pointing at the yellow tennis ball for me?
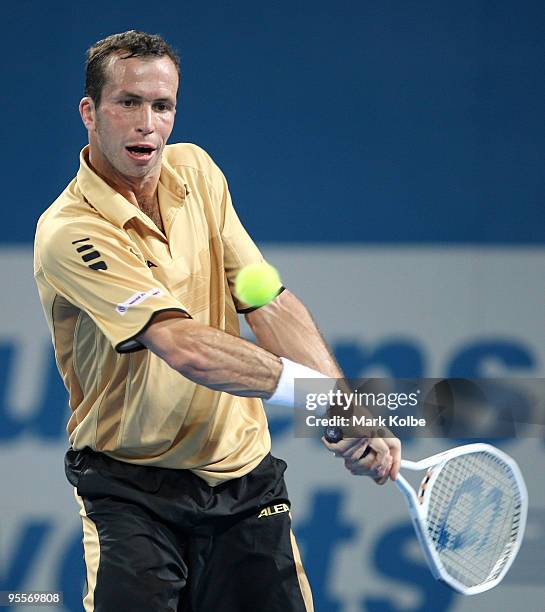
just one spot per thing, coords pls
(257, 284)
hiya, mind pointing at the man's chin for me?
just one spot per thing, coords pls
(139, 169)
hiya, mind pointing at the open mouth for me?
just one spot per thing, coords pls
(140, 151)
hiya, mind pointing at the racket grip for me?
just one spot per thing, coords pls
(335, 434)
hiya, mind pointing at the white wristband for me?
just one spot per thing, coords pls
(285, 390)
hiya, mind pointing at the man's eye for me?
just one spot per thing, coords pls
(127, 103)
(162, 107)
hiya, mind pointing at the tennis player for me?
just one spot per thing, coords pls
(183, 506)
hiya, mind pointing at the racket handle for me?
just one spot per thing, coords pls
(335, 434)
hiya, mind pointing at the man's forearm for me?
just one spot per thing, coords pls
(214, 358)
(284, 327)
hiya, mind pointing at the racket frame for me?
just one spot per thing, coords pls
(418, 507)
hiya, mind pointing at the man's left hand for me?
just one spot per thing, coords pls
(383, 460)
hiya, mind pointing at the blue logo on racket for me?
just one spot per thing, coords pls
(467, 535)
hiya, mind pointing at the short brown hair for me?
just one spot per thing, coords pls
(128, 44)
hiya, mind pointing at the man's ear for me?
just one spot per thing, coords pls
(87, 112)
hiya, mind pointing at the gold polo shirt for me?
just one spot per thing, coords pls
(103, 269)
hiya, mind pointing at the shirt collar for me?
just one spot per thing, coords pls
(111, 204)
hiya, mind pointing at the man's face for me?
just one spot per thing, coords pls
(130, 128)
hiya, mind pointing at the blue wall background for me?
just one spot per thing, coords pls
(401, 121)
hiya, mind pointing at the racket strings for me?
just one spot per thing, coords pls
(460, 529)
(452, 540)
(479, 529)
(473, 516)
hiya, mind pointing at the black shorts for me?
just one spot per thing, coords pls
(162, 540)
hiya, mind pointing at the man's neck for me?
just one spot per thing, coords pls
(140, 192)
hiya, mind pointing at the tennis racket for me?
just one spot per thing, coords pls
(469, 514)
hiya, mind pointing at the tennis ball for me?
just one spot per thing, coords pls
(257, 284)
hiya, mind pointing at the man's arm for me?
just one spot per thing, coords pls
(285, 327)
(213, 358)
(217, 360)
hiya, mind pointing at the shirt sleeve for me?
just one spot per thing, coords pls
(95, 267)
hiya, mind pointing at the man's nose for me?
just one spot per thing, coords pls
(145, 120)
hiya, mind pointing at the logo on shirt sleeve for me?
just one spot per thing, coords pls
(90, 254)
(136, 299)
